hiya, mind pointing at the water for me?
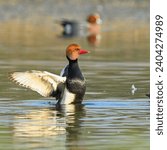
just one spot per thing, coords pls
(111, 116)
(103, 123)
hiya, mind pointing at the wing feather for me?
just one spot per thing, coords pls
(42, 82)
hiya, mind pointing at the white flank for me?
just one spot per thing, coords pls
(68, 97)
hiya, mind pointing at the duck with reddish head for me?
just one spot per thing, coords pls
(94, 29)
(94, 23)
(68, 88)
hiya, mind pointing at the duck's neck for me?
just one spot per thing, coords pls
(74, 71)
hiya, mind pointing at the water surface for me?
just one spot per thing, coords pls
(112, 116)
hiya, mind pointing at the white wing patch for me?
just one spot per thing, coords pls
(42, 82)
(64, 71)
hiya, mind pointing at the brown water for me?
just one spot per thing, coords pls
(111, 117)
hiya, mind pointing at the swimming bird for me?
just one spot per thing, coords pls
(70, 28)
(94, 19)
(94, 23)
(68, 88)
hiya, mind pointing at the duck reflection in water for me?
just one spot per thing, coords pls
(94, 39)
(52, 121)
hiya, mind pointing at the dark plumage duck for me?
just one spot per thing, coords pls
(68, 88)
(70, 28)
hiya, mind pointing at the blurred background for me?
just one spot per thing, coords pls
(32, 22)
(34, 35)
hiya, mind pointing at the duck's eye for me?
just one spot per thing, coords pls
(77, 49)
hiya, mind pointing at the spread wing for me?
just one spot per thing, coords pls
(43, 82)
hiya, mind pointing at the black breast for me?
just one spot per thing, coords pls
(75, 81)
(77, 87)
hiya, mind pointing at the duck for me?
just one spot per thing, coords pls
(94, 23)
(94, 18)
(68, 88)
(70, 28)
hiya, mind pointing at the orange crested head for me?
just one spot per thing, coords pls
(74, 50)
(94, 19)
